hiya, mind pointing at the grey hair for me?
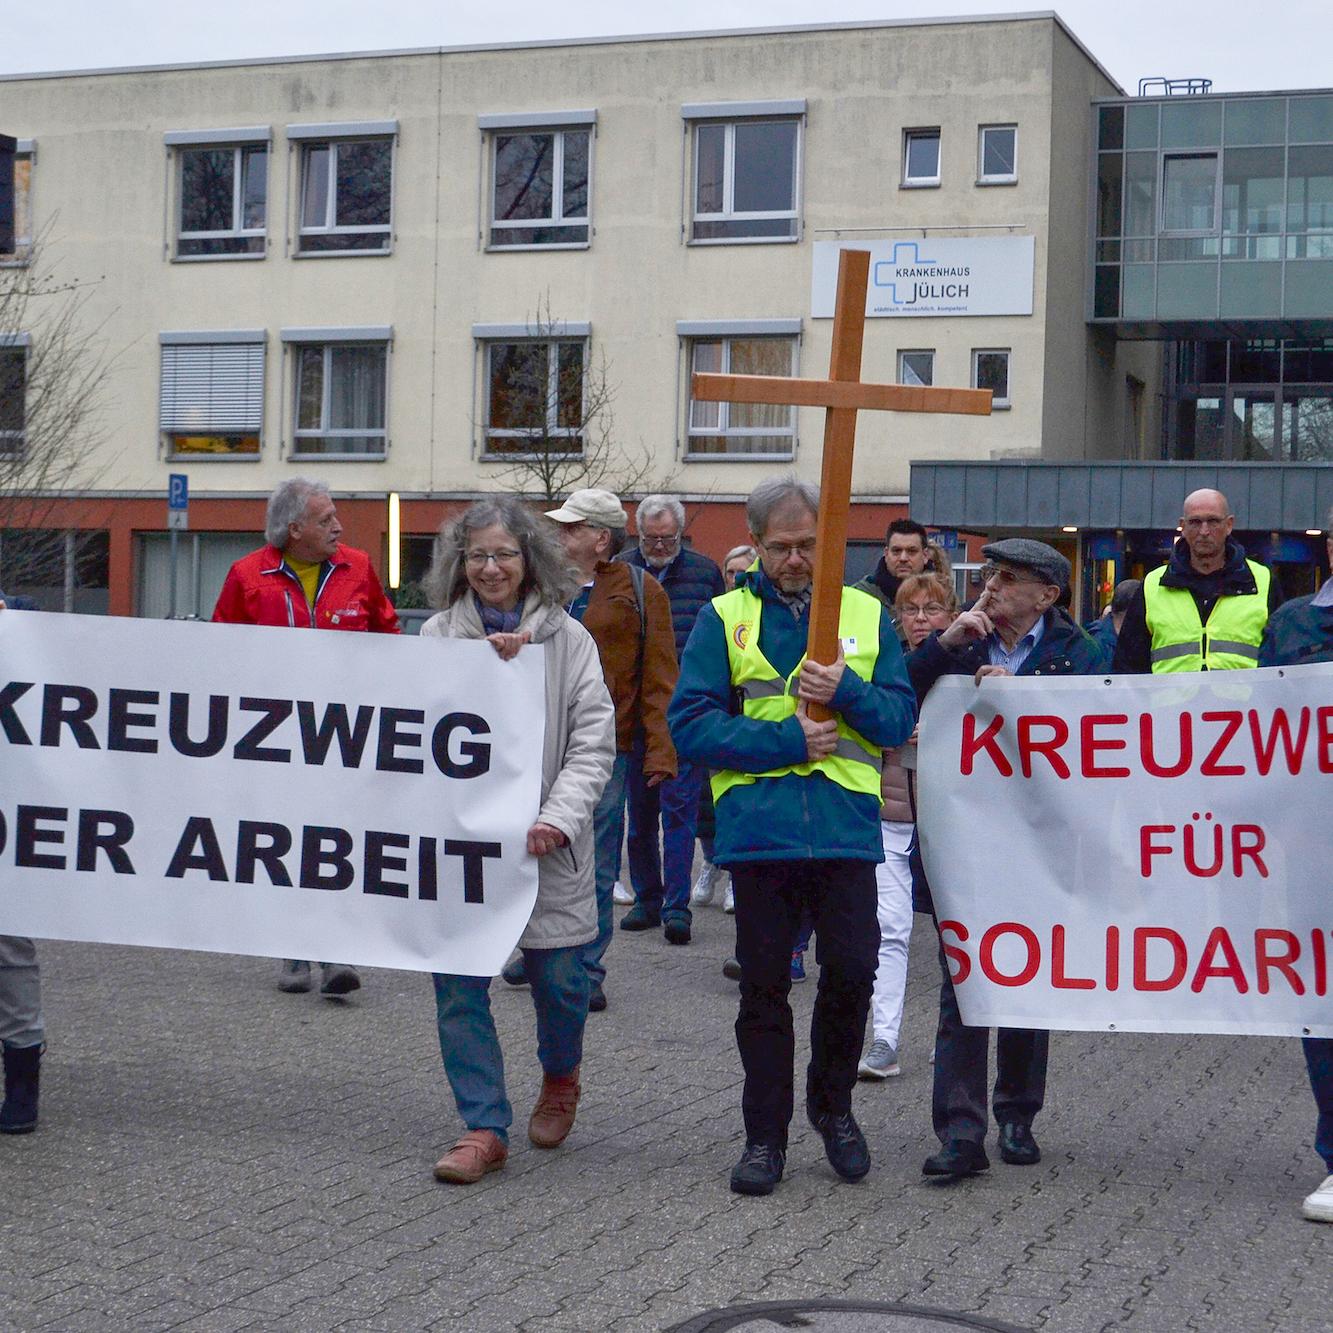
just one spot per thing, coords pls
(653, 505)
(744, 549)
(778, 493)
(546, 569)
(287, 505)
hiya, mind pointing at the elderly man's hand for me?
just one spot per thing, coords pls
(818, 684)
(988, 670)
(544, 838)
(820, 737)
(971, 625)
(655, 779)
(507, 645)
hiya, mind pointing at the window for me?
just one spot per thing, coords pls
(534, 397)
(539, 187)
(916, 368)
(212, 394)
(340, 392)
(990, 370)
(13, 394)
(24, 157)
(346, 191)
(1189, 192)
(222, 193)
(997, 155)
(746, 182)
(61, 569)
(921, 157)
(742, 429)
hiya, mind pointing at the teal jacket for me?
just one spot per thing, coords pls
(1298, 634)
(792, 817)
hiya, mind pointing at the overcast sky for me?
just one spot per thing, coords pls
(1237, 43)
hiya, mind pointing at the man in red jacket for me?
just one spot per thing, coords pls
(306, 578)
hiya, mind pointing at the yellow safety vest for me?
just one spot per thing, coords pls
(1230, 639)
(855, 763)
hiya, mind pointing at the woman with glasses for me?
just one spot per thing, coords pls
(924, 602)
(501, 577)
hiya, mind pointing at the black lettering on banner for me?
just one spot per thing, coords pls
(390, 738)
(198, 830)
(473, 854)
(314, 857)
(178, 726)
(276, 712)
(120, 718)
(478, 753)
(377, 862)
(28, 833)
(428, 877)
(82, 704)
(251, 851)
(119, 829)
(316, 740)
(15, 733)
(4, 832)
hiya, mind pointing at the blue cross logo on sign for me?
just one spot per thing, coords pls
(178, 491)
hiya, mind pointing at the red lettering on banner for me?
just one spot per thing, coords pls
(1264, 960)
(1247, 841)
(1212, 767)
(1092, 744)
(1149, 756)
(954, 954)
(1050, 747)
(1148, 849)
(1142, 981)
(1112, 957)
(1191, 863)
(1058, 978)
(1219, 941)
(986, 953)
(1325, 716)
(1320, 956)
(1279, 728)
(972, 744)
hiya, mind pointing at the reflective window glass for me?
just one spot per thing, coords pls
(921, 157)
(1189, 192)
(745, 180)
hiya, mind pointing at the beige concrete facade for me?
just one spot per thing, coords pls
(104, 184)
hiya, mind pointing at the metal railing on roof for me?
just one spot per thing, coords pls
(1163, 87)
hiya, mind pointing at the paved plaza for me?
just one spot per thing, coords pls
(215, 1155)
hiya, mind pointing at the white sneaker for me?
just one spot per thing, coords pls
(881, 1061)
(702, 893)
(1318, 1207)
(620, 895)
(729, 901)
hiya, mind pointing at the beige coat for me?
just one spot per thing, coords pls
(579, 750)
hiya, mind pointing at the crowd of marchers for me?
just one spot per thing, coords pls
(678, 699)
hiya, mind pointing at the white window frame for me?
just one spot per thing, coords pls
(306, 139)
(1216, 228)
(14, 444)
(239, 142)
(20, 256)
(299, 340)
(488, 342)
(1001, 178)
(244, 338)
(905, 352)
(690, 335)
(997, 404)
(729, 213)
(923, 182)
(557, 125)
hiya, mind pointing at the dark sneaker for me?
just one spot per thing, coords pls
(18, 1111)
(339, 980)
(731, 969)
(958, 1157)
(515, 971)
(676, 928)
(844, 1144)
(640, 918)
(1017, 1146)
(294, 977)
(759, 1169)
(597, 1000)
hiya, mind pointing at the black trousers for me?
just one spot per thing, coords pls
(958, 1101)
(840, 898)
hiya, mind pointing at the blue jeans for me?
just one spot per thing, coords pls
(470, 1046)
(1319, 1061)
(608, 827)
(661, 877)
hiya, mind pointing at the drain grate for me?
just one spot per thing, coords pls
(838, 1317)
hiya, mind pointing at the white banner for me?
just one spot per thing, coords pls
(1152, 853)
(348, 797)
(972, 275)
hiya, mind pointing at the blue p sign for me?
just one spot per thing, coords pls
(178, 491)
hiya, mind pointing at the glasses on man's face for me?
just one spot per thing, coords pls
(1004, 575)
(913, 612)
(782, 551)
(480, 559)
(660, 543)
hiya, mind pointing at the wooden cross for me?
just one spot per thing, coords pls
(841, 395)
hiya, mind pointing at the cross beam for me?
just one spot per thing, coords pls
(841, 395)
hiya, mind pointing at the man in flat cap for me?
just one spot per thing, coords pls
(1014, 628)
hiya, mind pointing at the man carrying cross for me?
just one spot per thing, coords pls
(797, 804)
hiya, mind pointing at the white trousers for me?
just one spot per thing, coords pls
(893, 878)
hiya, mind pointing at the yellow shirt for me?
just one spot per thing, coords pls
(308, 572)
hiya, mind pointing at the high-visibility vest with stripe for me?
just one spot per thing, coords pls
(1230, 639)
(765, 695)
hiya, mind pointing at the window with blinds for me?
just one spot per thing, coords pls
(212, 402)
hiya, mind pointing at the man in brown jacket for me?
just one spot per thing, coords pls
(629, 618)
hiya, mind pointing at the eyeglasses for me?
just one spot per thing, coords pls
(660, 543)
(930, 609)
(480, 559)
(781, 551)
(1004, 574)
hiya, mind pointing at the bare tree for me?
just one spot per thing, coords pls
(53, 370)
(550, 417)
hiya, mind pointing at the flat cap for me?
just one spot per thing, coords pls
(1044, 561)
(591, 506)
